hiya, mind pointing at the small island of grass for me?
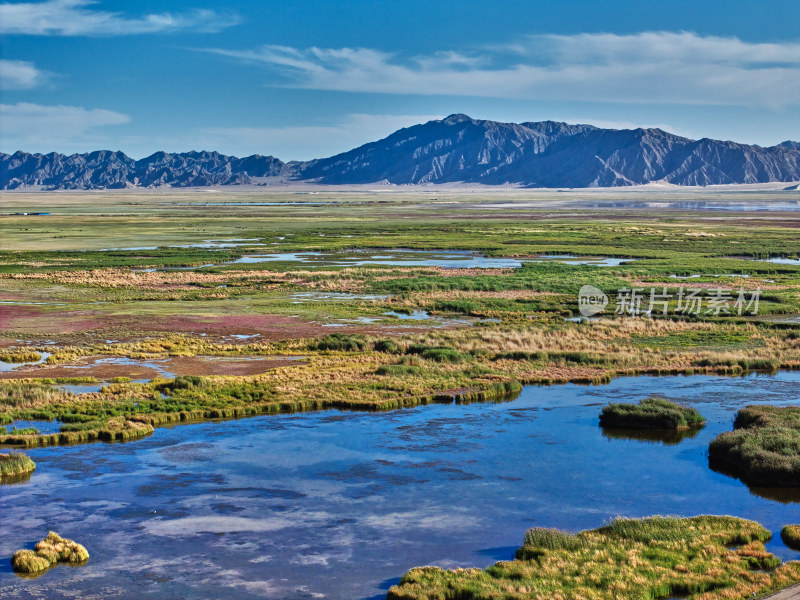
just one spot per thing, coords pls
(763, 448)
(652, 413)
(15, 465)
(51, 550)
(791, 536)
(656, 557)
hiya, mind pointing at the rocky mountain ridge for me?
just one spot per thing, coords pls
(457, 149)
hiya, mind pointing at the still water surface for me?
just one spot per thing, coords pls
(340, 504)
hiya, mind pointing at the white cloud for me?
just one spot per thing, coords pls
(38, 128)
(77, 17)
(19, 75)
(650, 67)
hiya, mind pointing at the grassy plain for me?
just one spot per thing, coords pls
(136, 276)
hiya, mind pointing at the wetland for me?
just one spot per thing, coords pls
(412, 371)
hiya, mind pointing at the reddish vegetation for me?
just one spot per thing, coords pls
(35, 320)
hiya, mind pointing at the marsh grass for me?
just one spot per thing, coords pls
(48, 552)
(22, 431)
(399, 370)
(14, 465)
(763, 448)
(649, 558)
(339, 342)
(652, 413)
(531, 344)
(791, 536)
(20, 356)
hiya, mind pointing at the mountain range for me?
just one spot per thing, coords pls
(457, 149)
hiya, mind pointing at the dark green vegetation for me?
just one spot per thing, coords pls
(656, 557)
(763, 448)
(51, 550)
(15, 465)
(652, 413)
(791, 536)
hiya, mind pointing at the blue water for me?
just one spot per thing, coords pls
(341, 504)
(446, 259)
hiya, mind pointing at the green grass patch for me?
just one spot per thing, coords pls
(22, 431)
(763, 448)
(20, 356)
(649, 558)
(399, 370)
(652, 413)
(339, 342)
(14, 465)
(791, 536)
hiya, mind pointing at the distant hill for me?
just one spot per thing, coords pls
(112, 170)
(455, 149)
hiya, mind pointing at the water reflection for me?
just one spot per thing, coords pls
(655, 436)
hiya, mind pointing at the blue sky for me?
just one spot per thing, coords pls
(310, 78)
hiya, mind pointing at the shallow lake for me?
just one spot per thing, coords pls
(446, 259)
(340, 504)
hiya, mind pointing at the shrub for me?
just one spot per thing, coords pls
(652, 413)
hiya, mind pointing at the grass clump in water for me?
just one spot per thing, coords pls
(22, 431)
(652, 413)
(51, 550)
(791, 536)
(654, 557)
(763, 448)
(14, 465)
(20, 356)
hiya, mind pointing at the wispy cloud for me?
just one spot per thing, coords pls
(34, 127)
(79, 17)
(660, 67)
(19, 75)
